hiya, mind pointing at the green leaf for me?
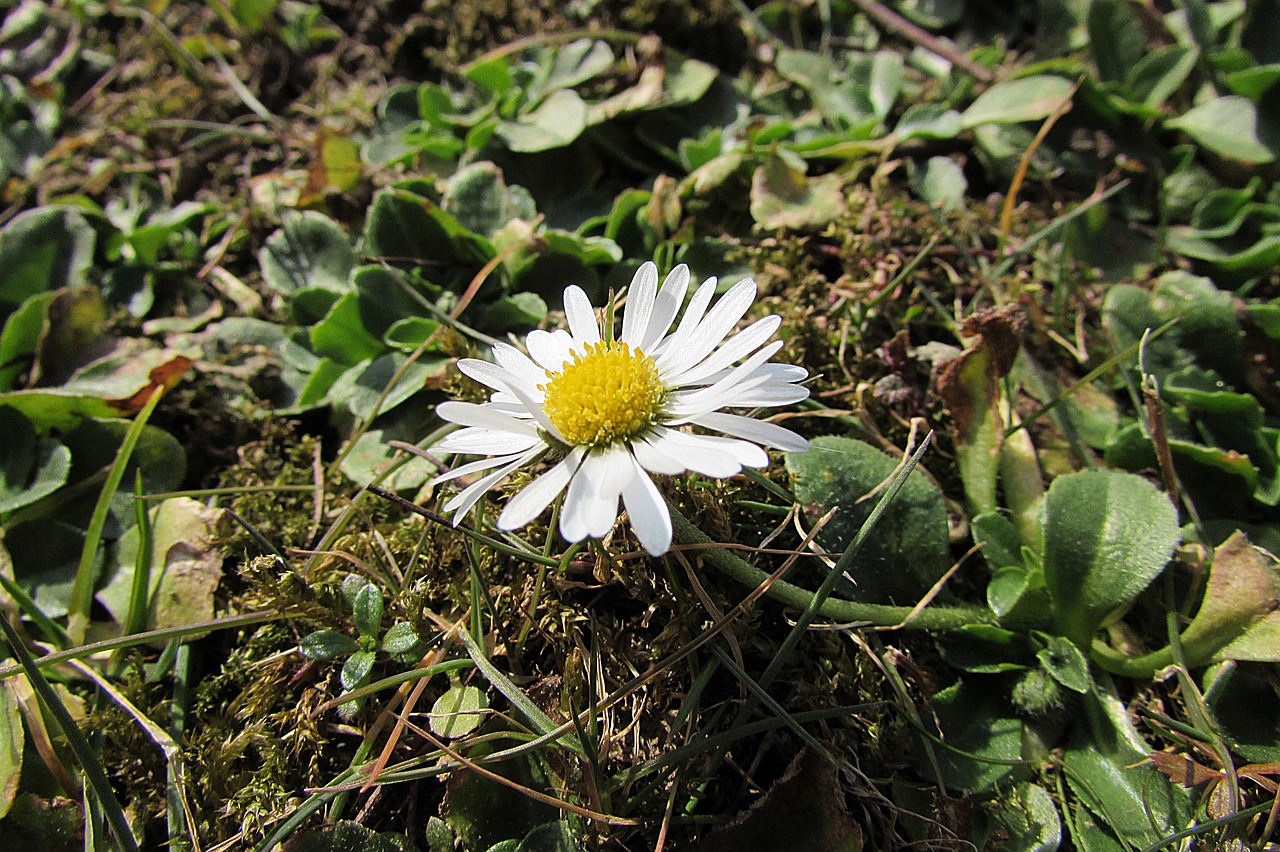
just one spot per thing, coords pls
(782, 196)
(253, 15)
(1229, 126)
(30, 467)
(12, 740)
(186, 559)
(1237, 603)
(43, 249)
(552, 837)
(1001, 544)
(361, 387)
(45, 555)
(409, 333)
(1115, 38)
(309, 251)
(555, 123)
(518, 310)
(327, 644)
(1017, 594)
(367, 610)
(352, 585)
(355, 672)
(909, 549)
(21, 337)
(928, 121)
(1014, 101)
(459, 711)
(975, 722)
(1107, 771)
(386, 298)
(1247, 710)
(342, 336)
(403, 643)
(483, 812)
(1107, 535)
(1065, 663)
(482, 202)
(1025, 820)
(439, 836)
(577, 62)
(941, 183)
(345, 836)
(1160, 73)
(404, 228)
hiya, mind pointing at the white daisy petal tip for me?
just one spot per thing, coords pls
(616, 410)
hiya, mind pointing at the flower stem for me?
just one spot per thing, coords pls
(936, 619)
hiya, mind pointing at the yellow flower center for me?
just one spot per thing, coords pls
(608, 393)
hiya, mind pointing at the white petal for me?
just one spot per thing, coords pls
(719, 321)
(472, 493)
(581, 505)
(538, 414)
(471, 414)
(473, 467)
(509, 403)
(687, 404)
(769, 434)
(651, 458)
(609, 471)
(667, 305)
(549, 348)
(520, 364)
(695, 453)
(537, 495)
(640, 296)
(689, 322)
(745, 453)
(492, 375)
(486, 442)
(785, 372)
(581, 316)
(768, 395)
(739, 346)
(648, 513)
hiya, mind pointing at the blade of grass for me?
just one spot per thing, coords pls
(181, 825)
(244, 620)
(139, 597)
(95, 775)
(86, 577)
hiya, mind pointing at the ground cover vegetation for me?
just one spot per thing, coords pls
(1005, 578)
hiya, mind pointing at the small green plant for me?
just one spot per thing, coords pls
(400, 642)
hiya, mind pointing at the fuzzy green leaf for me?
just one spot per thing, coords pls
(327, 645)
(367, 610)
(1107, 535)
(403, 643)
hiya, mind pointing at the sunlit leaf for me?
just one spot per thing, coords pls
(459, 711)
(1229, 126)
(555, 122)
(309, 251)
(1018, 100)
(1107, 535)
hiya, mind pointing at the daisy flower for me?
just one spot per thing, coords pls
(614, 411)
